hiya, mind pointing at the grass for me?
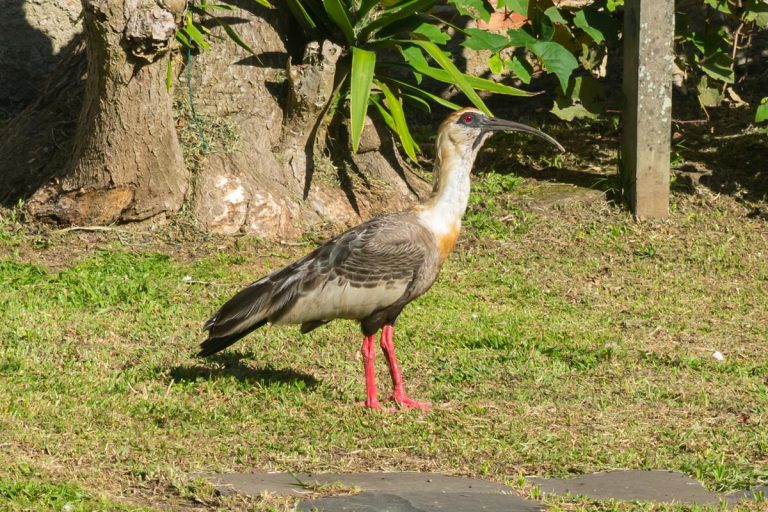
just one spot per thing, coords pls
(558, 341)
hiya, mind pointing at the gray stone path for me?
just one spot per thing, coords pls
(428, 492)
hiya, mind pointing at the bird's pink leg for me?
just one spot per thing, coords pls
(399, 396)
(369, 354)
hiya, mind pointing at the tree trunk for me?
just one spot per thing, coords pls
(127, 163)
(267, 168)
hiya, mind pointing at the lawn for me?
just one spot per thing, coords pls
(561, 338)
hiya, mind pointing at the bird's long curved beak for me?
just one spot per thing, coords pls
(493, 124)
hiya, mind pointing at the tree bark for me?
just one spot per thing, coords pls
(123, 162)
(127, 163)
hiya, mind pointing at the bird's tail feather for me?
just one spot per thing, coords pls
(248, 310)
(216, 344)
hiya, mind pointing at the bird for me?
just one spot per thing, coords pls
(370, 272)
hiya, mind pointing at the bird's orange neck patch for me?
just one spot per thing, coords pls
(446, 242)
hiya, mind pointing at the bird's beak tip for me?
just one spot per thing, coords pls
(496, 124)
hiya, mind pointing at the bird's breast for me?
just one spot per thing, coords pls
(447, 241)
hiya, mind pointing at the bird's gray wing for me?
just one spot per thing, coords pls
(364, 269)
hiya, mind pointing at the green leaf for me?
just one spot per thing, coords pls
(719, 5)
(401, 125)
(483, 40)
(264, 3)
(757, 11)
(459, 78)
(482, 84)
(518, 6)
(197, 36)
(612, 5)
(584, 99)
(169, 75)
(708, 96)
(473, 8)
(426, 94)
(363, 64)
(417, 101)
(396, 13)
(554, 15)
(718, 66)
(234, 36)
(597, 25)
(338, 13)
(304, 18)
(520, 68)
(432, 32)
(557, 60)
(520, 38)
(762, 111)
(495, 65)
(183, 39)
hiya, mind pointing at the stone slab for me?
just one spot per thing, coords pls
(632, 485)
(392, 492)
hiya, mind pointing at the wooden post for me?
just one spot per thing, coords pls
(649, 28)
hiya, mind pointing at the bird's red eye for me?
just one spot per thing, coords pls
(468, 118)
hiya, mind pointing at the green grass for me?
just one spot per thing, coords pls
(556, 342)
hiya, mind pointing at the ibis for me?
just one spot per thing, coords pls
(372, 271)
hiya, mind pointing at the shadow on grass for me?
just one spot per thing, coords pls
(230, 365)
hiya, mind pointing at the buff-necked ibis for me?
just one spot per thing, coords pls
(370, 272)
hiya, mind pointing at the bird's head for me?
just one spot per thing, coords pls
(467, 129)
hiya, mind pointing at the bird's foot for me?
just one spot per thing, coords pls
(405, 402)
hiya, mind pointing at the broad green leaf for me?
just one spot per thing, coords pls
(479, 39)
(398, 116)
(518, 6)
(413, 56)
(432, 32)
(495, 65)
(612, 5)
(762, 111)
(708, 96)
(363, 64)
(459, 78)
(598, 25)
(584, 99)
(338, 13)
(557, 60)
(554, 15)
(234, 36)
(757, 11)
(718, 66)
(520, 38)
(474, 8)
(719, 5)
(404, 10)
(520, 68)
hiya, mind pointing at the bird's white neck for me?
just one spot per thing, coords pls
(443, 211)
(450, 192)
